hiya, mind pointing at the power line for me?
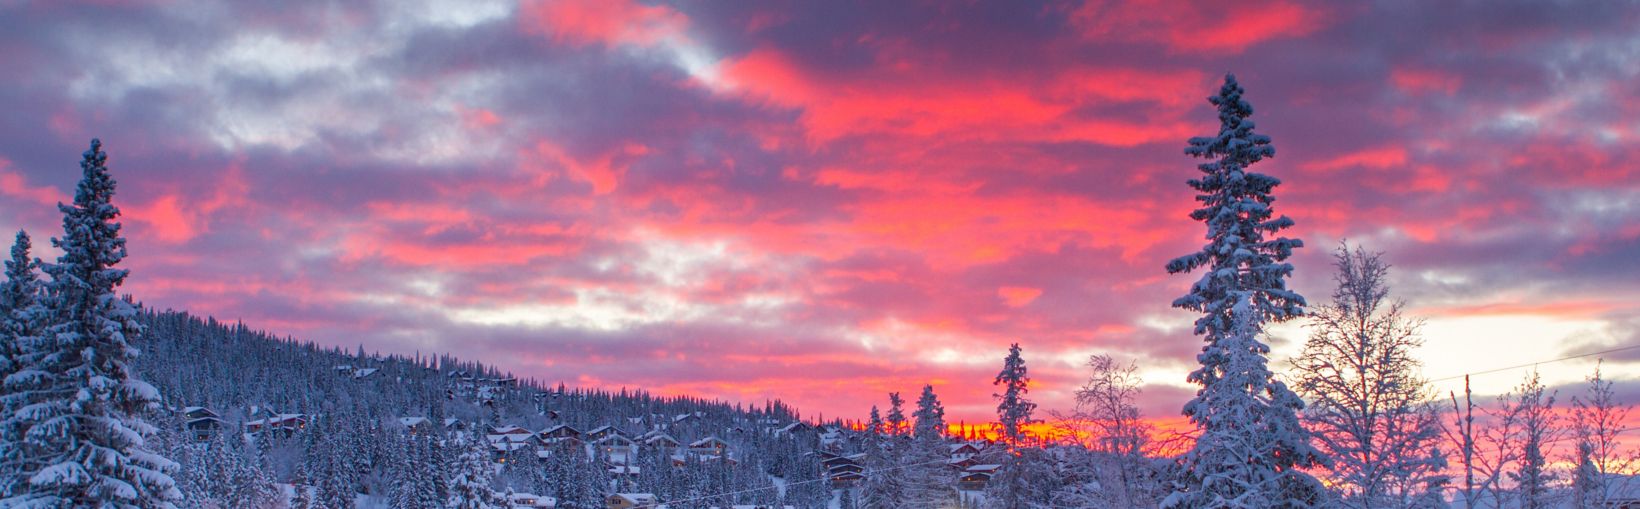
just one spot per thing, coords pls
(1531, 364)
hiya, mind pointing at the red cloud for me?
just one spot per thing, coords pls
(1422, 81)
(1198, 27)
(609, 22)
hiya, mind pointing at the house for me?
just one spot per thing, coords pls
(559, 433)
(631, 501)
(600, 432)
(685, 419)
(454, 424)
(417, 425)
(200, 422)
(616, 445)
(975, 478)
(708, 445)
(660, 440)
(364, 373)
(844, 471)
(625, 471)
(279, 424)
(531, 501)
(507, 432)
(793, 428)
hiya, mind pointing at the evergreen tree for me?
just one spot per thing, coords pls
(1251, 448)
(77, 400)
(470, 486)
(1014, 410)
(930, 427)
(896, 414)
(21, 317)
(928, 482)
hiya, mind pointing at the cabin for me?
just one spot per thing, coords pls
(364, 373)
(626, 472)
(660, 441)
(793, 428)
(600, 432)
(417, 425)
(616, 445)
(559, 433)
(454, 424)
(632, 501)
(709, 445)
(200, 422)
(504, 432)
(975, 478)
(281, 425)
(531, 501)
(844, 471)
(681, 419)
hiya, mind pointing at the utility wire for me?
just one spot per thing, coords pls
(1530, 364)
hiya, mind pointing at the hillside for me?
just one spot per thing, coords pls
(247, 412)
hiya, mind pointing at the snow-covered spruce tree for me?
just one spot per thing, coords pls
(1251, 447)
(21, 317)
(77, 402)
(1369, 410)
(896, 414)
(1016, 486)
(1014, 410)
(928, 482)
(883, 485)
(470, 488)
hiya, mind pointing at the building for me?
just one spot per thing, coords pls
(600, 432)
(417, 425)
(709, 445)
(975, 478)
(282, 425)
(559, 433)
(631, 501)
(531, 501)
(200, 422)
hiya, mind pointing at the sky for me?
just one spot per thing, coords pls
(823, 202)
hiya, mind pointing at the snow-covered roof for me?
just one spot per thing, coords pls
(601, 429)
(411, 422)
(986, 468)
(560, 427)
(508, 430)
(365, 372)
(708, 442)
(637, 498)
(614, 440)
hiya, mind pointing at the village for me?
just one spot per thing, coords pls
(614, 446)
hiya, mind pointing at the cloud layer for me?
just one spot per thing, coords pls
(825, 202)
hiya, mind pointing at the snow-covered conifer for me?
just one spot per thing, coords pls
(1251, 449)
(896, 414)
(1014, 410)
(21, 316)
(470, 488)
(77, 402)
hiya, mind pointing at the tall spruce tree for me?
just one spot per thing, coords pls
(21, 317)
(1014, 410)
(928, 483)
(1251, 448)
(78, 404)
